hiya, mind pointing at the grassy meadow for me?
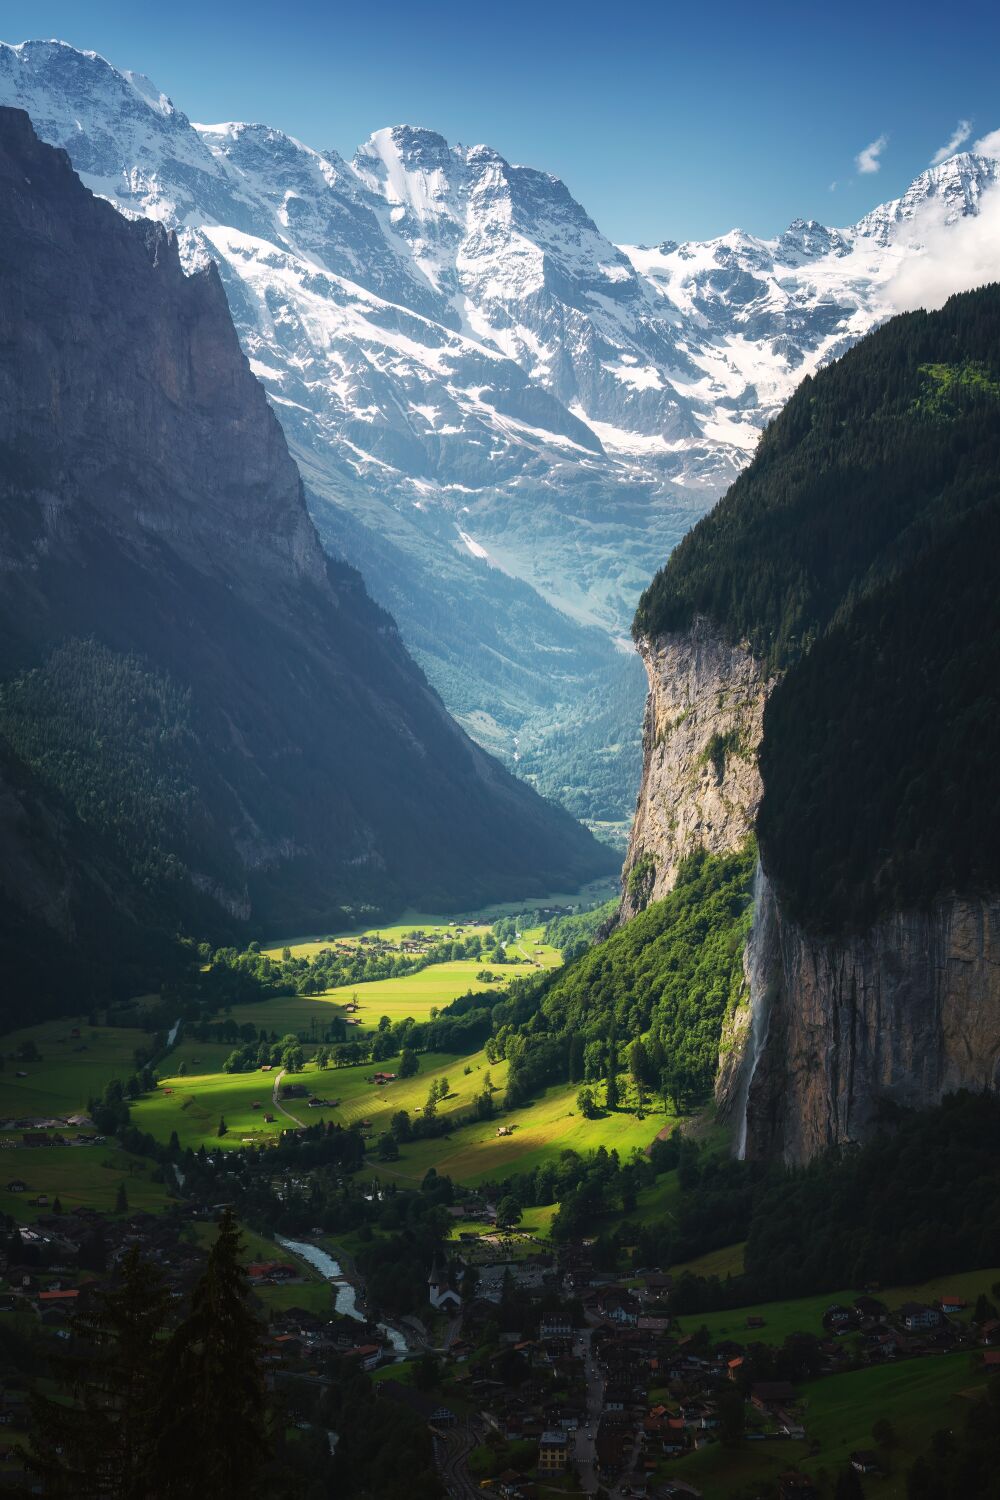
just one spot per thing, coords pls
(917, 1396)
(194, 1092)
(413, 995)
(79, 1176)
(541, 1130)
(71, 1070)
(805, 1314)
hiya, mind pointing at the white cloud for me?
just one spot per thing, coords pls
(988, 145)
(947, 258)
(959, 136)
(868, 160)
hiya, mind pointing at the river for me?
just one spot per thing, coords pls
(346, 1302)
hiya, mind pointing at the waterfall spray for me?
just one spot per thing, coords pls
(760, 972)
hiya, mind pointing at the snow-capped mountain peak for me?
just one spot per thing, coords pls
(503, 417)
(955, 187)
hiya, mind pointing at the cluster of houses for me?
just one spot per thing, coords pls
(602, 1379)
(37, 1133)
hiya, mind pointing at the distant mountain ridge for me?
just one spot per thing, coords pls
(204, 720)
(503, 418)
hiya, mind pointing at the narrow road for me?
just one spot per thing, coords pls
(278, 1104)
(585, 1453)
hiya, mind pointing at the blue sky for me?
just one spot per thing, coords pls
(666, 120)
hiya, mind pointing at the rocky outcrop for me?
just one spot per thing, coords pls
(852, 1028)
(700, 783)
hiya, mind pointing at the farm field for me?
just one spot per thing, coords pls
(722, 1263)
(805, 1314)
(71, 1069)
(435, 927)
(551, 1124)
(917, 1396)
(361, 1100)
(535, 1222)
(412, 995)
(193, 1105)
(80, 1177)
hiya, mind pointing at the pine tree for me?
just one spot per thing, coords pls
(95, 1440)
(212, 1412)
(121, 1200)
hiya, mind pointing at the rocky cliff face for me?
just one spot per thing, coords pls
(202, 718)
(836, 1032)
(700, 783)
(851, 1028)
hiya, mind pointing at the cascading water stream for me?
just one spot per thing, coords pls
(760, 971)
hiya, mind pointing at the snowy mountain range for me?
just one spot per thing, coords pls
(505, 420)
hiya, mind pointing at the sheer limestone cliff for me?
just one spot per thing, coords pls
(856, 1027)
(835, 1032)
(700, 783)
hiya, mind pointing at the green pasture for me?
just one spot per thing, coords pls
(534, 1227)
(550, 1124)
(192, 1106)
(71, 1071)
(197, 1057)
(917, 1396)
(79, 1176)
(362, 1100)
(313, 1292)
(530, 945)
(805, 1314)
(412, 995)
(722, 1263)
(308, 947)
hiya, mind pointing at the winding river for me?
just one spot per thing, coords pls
(346, 1302)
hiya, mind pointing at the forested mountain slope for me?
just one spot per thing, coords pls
(856, 556)
(847, 581)
(203, 718)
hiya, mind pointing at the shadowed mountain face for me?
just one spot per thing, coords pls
(203, 719)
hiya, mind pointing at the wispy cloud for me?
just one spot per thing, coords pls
(959, 136)
(867, 160)
(834, 186)
(988, 145)
(948, 258)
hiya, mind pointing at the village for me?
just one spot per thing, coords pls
(531, 1366)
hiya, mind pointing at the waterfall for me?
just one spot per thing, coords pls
(759, 962)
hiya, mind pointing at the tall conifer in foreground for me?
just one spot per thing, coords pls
(212, 1412)
(95, 1440)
